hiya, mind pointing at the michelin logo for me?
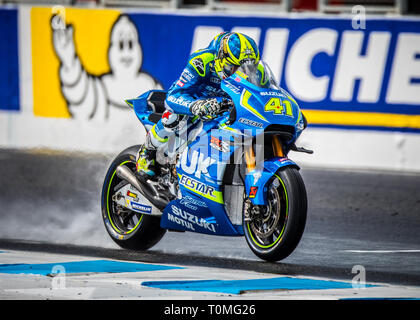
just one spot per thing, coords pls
(141, 207)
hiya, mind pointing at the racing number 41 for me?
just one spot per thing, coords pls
(279, 107)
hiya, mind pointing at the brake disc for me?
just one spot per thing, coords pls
(265, 224)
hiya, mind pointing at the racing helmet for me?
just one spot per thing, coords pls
(234, 49)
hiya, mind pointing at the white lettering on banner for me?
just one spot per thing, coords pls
(275, 49)
(352, 66)
(252, 32)
(299, 78)
(405, 67)
(203, 35)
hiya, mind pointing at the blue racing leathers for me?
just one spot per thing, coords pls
(197, 81)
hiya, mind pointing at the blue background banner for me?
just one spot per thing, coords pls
(9, 65)
(325, 63)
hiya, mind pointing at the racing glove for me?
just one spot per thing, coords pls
(205, 108)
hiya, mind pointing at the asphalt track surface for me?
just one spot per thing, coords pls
(49, 202)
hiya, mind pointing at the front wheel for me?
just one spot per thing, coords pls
(273, 231)
(129, 229)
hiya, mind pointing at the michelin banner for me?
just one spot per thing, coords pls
(78, 65)
(88, 64)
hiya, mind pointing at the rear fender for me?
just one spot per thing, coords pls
(256, 181)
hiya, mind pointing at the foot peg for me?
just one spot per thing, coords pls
(146, 189)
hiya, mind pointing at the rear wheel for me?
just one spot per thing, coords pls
(273, 231)
(129, 229)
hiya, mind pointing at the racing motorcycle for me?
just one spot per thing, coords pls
(228, 176)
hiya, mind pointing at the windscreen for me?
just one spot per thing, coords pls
(259, 75)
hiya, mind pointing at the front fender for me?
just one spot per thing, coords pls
(257, 180)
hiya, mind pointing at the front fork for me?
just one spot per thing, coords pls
(259, 175)
(250, 153)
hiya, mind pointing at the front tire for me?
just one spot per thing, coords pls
(129, 229)
(274, 234)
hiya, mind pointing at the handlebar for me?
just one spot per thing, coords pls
(226, 105)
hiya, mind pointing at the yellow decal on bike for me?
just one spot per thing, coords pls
(200, 188)
(241, 74)
(277, 107)
(244, 103)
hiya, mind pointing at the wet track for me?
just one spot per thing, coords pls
(50, 202)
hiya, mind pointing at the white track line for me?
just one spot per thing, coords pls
(383, 251)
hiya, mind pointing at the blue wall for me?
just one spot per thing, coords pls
(9, 65)
(166, 41)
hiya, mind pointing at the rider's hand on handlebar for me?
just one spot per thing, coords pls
(226, 104)
(205, 108)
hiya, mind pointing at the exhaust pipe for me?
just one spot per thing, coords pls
(147, 190)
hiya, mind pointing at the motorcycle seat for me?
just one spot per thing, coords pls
(155, 117)
(156, 101)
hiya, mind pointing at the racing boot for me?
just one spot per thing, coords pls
(146, 163)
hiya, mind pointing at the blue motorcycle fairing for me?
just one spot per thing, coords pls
(142, 108)
(211, 219)
(202, 164)
(200, 172)
(253, 109)
(199, 179)
(252, 118)
(256, 181)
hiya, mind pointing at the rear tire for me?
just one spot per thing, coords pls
(275, 235)
(130, 230)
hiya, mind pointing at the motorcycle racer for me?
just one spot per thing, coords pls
(197, 94)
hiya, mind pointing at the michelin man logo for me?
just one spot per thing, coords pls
(101, 97)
